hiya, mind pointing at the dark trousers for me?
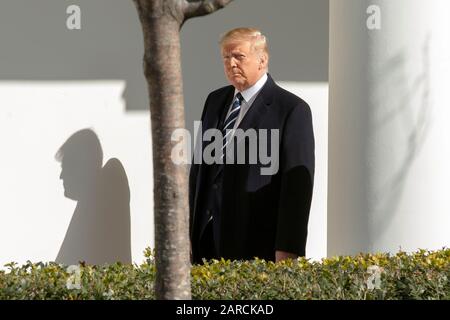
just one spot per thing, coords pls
(206, 247)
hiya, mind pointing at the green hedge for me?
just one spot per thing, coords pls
(420, 275)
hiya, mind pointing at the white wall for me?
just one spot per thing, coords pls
(389, 146)
(36, 119)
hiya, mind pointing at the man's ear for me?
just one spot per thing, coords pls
(262, 61)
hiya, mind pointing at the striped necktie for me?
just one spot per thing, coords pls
(228, 125)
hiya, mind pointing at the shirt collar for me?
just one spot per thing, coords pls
(250, 92)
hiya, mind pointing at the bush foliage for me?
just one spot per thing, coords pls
(420, 275)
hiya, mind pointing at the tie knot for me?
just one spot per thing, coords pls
(239, 97)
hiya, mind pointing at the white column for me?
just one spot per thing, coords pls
(389, 126)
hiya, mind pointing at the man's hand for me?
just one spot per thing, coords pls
(283, 255)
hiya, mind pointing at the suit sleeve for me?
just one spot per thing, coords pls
(193, 172)
(297, 179)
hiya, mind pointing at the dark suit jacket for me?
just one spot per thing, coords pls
(262, 213)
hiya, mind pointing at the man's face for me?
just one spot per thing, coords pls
(243, 66)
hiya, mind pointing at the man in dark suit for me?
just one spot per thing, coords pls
(236, 211)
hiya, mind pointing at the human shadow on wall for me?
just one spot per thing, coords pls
(99, 232)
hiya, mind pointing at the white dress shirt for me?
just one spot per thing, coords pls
(249, 96)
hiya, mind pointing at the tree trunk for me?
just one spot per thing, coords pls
(162, 70)
(161, 21)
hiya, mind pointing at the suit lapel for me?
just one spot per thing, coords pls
(256, 112)
(259, 106)
(218, 110)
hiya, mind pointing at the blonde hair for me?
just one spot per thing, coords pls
(257, 40)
